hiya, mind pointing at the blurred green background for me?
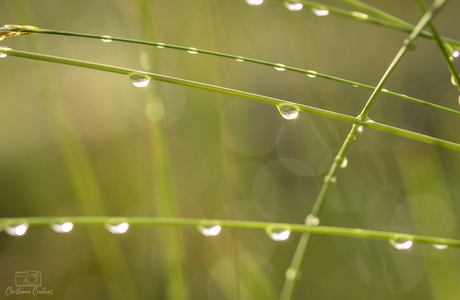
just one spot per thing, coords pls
(83, 142)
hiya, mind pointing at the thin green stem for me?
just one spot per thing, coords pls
(241, 94)
(330, 179)
(232, 224)
(371, 20)
(376, 12)
(448, 56)
(245, 59)
(408, 44)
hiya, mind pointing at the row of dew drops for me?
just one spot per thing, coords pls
(287, 111)
(277, 234)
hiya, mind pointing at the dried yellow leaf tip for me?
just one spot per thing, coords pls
(14, 30)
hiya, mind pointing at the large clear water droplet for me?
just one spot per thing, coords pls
(440, 247)
(139, 80)
(312, 220)
(287, 111)
(320, 12)
(106, 38)
(192, 50)
(210, 230)
(401, 244)
(293, 6)
(280, 67)
(62, 228)
(254, 2)
(278, 234)
(344, 163)
(118, 228)
(3, 55)
(17, 230)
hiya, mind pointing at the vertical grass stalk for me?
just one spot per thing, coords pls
(330, 178)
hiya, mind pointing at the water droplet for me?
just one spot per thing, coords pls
(17, 230)
(280, 67)
(320, 12)
(456, 54)
(192, 50)
(355, 85)
(160, 45)
(106, 38)
(278, 234)
(312, 220)
(287, 111)
(240, 59)
(139, 80)
(453, 80)
(401, 244)
(344, 163)
(359, 15)
(312, 74)
(210, 230)
(117, 229)
(410, 44)
(384, 90)
(291, 273)
(330, 180)
(3, 55)
(293, 6)
(254, 2)
(360, 128)
(60, 228)
(440, 247)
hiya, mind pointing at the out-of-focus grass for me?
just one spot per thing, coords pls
(391, 183)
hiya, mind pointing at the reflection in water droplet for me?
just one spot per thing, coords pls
(401, 244)
(139, 80)
(60, 228)
(344, 163)
(209, 230)
(280, 67)
(359, 15)
(240, 59)
(18, 230)
(3, 55)
(106, 38)
(192, 50)
(278, 235)
(311, 220)
(440, 247)
(312, 74)
(254, 2)
(160, 45)
(453, 80)
(456, 54)
(293, 6)
(320, 12)
(117, 229)
(287, 111)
